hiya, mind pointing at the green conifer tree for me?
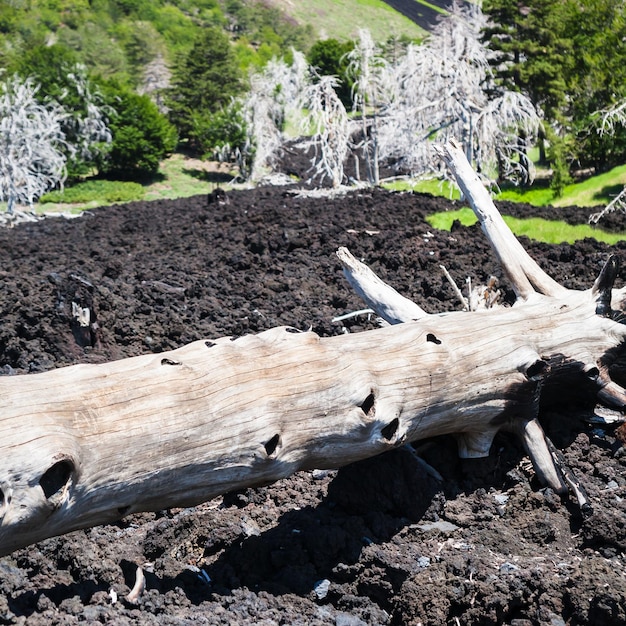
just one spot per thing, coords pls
(204, 82)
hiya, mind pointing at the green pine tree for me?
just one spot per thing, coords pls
(204, 82)
(531, 51)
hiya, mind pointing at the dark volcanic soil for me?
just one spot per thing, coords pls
(381, 542)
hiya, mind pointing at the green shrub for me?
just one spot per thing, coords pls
(106, 191)
(142, 135)
(329, 57)
(222, 132)
(203, 83)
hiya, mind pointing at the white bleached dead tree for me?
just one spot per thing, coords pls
(274, 94)
(370, 92)
(88, 444)
(327, 122)
(39, 136)
(607, 122)
(444, 88)
(86, 130)
(32, 143)
(434, 91)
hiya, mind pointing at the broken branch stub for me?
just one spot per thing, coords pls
(378, 295)
(89, 444)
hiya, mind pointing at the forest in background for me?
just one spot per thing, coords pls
(164, 75)
(116, 39)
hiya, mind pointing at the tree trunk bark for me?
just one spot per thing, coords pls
(88, 444)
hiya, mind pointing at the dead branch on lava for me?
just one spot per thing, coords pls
(89, 444)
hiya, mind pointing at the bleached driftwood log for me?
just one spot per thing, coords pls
(88, 444)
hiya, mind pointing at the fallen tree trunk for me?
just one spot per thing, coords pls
(88, 444)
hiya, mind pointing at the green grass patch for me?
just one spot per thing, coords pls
(537, 196)
(593, 191)
(539, 229)
(342, 20)
(181, 177)
(443, 188)
(105, 191)
(444, 219)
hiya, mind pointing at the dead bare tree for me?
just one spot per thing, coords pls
(32, 143)
(370, 92)
(445, 89)
(326, 118)
(88, 444)
(274, 93)
(87, 133)
(39, 136)
(608, 120)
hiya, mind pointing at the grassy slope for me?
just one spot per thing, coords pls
(341, 20)
(593, 191)
(548, 231)
(179, 177)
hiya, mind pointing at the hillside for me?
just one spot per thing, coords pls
(118, 39)
(342, 20)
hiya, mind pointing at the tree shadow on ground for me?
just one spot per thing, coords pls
(155, 177)
(608, 191)
(367, 508)
(368, 504)
(208, 176)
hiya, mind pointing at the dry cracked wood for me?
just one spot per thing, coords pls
(88, 444)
